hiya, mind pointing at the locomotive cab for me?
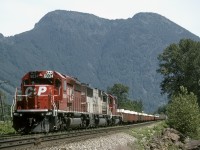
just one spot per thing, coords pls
(38, 90)
(37, 101)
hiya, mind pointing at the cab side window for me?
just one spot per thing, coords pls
(57, 83)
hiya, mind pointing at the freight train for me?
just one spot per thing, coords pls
(50, 101)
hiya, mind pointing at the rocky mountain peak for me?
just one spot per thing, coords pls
(65, 18)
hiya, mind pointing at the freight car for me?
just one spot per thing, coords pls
(129, 117)
(50, 101)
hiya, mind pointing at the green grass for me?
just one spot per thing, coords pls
(144, 134)
(6, 128)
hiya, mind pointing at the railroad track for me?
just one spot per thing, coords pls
(6, 136)
(38, 141)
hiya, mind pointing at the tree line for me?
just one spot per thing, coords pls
(179, 64)
(123, 101)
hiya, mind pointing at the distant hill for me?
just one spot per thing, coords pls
(98, 51)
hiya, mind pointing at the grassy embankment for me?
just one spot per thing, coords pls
(143, 135)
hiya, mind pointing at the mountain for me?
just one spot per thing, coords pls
(97, 51)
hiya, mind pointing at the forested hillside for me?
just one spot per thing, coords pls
(98, 51)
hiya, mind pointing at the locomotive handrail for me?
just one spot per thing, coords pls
(21, 95)
(30, 95)
(15, 100)
(58, 92)
(13, 104)
(55, 112)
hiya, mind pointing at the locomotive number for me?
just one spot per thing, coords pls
(49, 74)
(33, 75)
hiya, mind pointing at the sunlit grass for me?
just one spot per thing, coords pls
(144, 134)
(6, 127)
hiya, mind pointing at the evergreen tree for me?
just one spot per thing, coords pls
(121, 92)
(161, 109)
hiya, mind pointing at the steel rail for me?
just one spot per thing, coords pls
(40, 140)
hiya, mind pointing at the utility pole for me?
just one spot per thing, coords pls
(2, 104)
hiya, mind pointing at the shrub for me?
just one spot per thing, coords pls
(6, 128)
(183, 113)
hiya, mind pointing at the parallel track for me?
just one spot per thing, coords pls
(40, 140)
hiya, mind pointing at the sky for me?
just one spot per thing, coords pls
(17, 16)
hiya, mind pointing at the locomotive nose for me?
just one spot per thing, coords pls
(38, 97)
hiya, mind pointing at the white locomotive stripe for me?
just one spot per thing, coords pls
(32, 110)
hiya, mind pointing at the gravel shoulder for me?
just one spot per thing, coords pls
(116, 141)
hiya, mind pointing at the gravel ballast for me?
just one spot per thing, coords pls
(110, 142)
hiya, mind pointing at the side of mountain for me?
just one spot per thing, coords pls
(97, 51)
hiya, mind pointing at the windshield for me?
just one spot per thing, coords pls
(39, 81)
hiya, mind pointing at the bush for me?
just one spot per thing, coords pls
(183, 113)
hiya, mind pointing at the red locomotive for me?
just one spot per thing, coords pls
(50, 101)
